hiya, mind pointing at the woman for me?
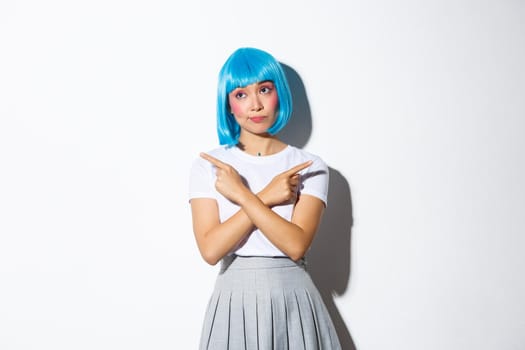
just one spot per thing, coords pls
(256, 206)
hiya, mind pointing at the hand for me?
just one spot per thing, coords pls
(283, 187)
(228, 181)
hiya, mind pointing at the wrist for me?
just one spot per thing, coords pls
(245, 196)
(263, 198)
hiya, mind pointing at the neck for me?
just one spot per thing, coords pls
(261, 146)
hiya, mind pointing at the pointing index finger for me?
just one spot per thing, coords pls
(212, 160)
(298, 168)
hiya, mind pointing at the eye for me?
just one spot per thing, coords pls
(266, 89)
(239, 95)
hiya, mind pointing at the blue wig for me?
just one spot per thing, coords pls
(244, 67)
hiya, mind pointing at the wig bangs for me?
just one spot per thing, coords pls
(245, 71)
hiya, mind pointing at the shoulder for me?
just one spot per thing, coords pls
(315, 178)
(218, 152)
(301, 155)
(222, 153)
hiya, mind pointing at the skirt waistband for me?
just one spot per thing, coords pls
(237, 262)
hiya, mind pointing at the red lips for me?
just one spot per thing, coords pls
(257, 119)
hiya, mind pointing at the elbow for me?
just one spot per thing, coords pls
(296, 257)
(298, 250)
(297, 254)
(210, 255)
(210, 258)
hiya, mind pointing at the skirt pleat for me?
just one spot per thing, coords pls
(280, 336)
(294, 324)
(237, 332)
(250, 320)
(264, 303)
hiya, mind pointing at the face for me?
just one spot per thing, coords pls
(254, 106)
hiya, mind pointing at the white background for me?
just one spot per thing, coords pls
(417, 106)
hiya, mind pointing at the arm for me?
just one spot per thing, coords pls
(293, 238)
(216, 239)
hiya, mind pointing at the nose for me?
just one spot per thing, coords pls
(256, 103)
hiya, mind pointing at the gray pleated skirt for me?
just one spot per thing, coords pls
(264, 303)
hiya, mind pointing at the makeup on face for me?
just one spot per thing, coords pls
(254, 100)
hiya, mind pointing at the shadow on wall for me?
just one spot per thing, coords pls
(329, 257)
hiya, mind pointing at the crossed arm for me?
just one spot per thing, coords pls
(216, 239)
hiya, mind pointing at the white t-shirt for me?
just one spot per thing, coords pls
(258, 172)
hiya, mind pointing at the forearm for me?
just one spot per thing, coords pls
(216, 239)
(225, 237)
(292, 237)
(285, 235)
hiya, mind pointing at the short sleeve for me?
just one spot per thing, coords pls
(201, 183)
(315, 179)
